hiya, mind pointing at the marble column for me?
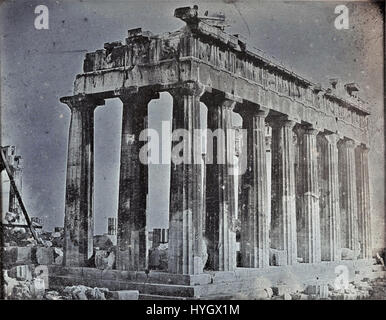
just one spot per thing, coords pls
(348, 195)
(133, 184)
(220, 233)
(185, 211)
(78, 220)
(254, 215)
(283, 203)
(329, 201)
(363, 193)
(308, 219)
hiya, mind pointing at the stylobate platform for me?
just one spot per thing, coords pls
(163, 285)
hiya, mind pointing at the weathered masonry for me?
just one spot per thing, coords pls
(319, 145)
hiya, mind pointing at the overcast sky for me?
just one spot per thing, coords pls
(39, 67)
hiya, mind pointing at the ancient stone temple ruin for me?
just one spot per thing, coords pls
(15, 162)
(319, 149)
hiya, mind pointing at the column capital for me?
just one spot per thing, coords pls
(217, 98)
(349, 143)
(139, 94)
(332, 138)
(282, 121)
(189, 88)
(248, 109)
(306, 130)
(365, 148)
(82, 101)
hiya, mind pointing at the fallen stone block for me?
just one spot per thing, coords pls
(44, 256)
(281, 290)
(22, 272)
(21, 292)
(158, 257)
(348, 254)
(56, 235)
(364, 286)
(58, 241)
(124, 295)
(349, 296)
(76, 292)
(58, 256)
(363, 294)
(299, 296)
(269, 292)
(287, 296)
(96, 293)
(103, 242)
(52, 295)
(47, 243)
(17, 255)
(259, 294)
(81, 292)
(321, 290)
(42, 273)
(9, 284)
(337, 296)
(11, 217)
(104, 260)
(37, 288)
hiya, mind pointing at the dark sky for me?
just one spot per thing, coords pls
(39, 67)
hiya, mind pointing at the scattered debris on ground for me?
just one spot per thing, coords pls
(359, 290)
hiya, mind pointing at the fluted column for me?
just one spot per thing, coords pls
(185, 212)
(220, 198)
(255, 218)
(78, 220)
(133, 184)
(363, 192)
(308, 213)
(329, 202)
(348, 195)
(283, 223)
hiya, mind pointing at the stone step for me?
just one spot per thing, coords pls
(145, 296)
(143, 288)
(136, 276)
(218, 297)
(211, 285)
(160, 289)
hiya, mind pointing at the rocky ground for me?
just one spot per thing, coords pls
(24, 291)
(360, 290)
(378, 291)
(33, 288)
(26, 274)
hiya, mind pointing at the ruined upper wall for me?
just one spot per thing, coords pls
(203, 52)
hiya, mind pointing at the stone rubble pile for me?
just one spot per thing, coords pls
(358, 290)
(81, 292)
(28, 285)
(24, 283)
(158, 257)
(378, 289)
(292, 289)
(25, 261)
